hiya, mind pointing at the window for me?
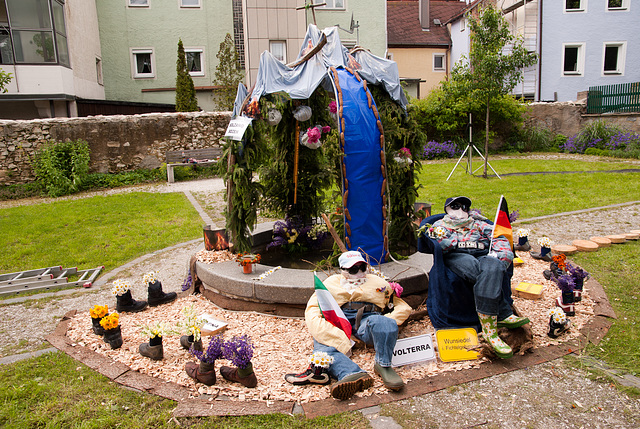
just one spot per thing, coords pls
(617, 4)
(573, 61)
(574, 5)
(194, 61)
(438, 62)
(143, 63)
(31, 34)
(189, 3)
(613, 58)
(139, 3)
(333, 4)
(279, 50)
(99, 71)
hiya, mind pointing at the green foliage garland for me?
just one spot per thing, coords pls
(62, 167)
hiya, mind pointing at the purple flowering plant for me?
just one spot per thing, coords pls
(577, 273)
(239, 350)
(293, 236)
(214, 350)
(435, 150)
(187, 282)
(565, 283)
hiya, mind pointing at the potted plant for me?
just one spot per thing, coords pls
(190, 326)
(558, 322)
(125, 302)
(545, 250)
(316, 373)
(579, 276)
(566, 301)
(523, 240)
(246, 261)
(205, 371)
(97, 313)
(156, 296)
(239, 351)
(112, 333)
(154, 332)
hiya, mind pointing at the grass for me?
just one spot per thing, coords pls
(55, 391)
(87, 233)
(532, 195)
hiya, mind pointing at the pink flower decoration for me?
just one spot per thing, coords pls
(326, 129)
(333, 107)
(313, 134)
(396, 288)
(405, 152)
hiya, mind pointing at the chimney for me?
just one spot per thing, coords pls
(424, 14)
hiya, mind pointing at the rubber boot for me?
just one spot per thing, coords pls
(351, 384)
(153, 349)
(390, 377)
(490, 333)
(204, 372)
(127, 304)
(157, 296)
(513, 322)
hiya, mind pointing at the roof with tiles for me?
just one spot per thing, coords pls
(403, 23)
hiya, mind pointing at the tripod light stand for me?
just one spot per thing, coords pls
(470, 148)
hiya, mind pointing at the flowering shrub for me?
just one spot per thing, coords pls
(294, 237)
(602, 136)
(435, 150)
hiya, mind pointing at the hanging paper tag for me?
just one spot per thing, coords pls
(237, 127)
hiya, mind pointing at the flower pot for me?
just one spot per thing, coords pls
(113, 337)
(96, 326)
(247, 268)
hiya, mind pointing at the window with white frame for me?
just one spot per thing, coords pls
(143, 63)
(613, 58)
(333, 4)
(138, 3)
(189, 3)
(618, 4)
(438, 62)
(573, 59)
(279, 50)
(575, 5)
(195, 61)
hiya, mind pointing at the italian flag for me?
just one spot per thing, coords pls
(502, 225)
(330, 308)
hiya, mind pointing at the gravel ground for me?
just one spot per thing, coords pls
(550, 394)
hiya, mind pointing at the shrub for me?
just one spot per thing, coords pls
(611, 140)
(533, 139)
(62, 168)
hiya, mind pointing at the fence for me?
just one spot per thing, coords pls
(619, 98)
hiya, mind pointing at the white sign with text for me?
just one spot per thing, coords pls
(237, 127)
(412, 350)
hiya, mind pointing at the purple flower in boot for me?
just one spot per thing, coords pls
(565, 283)
(239, 351)
(214, 350)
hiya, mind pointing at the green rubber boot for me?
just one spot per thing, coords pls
(513, 322)
(490, 333)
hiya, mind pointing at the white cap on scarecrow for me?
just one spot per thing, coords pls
(349, 259)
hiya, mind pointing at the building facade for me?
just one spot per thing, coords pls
(52, 50)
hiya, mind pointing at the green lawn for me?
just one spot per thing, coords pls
(90, 232)
(532, 195)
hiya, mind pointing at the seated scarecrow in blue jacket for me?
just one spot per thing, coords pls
(371, 310)
(471, 253)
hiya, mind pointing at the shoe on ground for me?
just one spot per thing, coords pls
(349, 385)
(513, 322)
(231, 374)
(308, 377)
(152, 352)
(569, 309)
(157, 297)
(187, 344)
(390, 377)
(522, 248)
(194, 371)
(126, 303)
(538, 255)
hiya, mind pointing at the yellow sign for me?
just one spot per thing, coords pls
(528, 290)
(453, 344)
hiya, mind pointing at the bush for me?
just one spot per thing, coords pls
(611, 140)
(533, 139)
(435, 150)
(61, 168)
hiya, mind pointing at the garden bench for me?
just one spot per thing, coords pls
(183, 158)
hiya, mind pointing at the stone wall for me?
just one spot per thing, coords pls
(569, 118)
(117, 143)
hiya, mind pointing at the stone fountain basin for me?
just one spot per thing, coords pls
(286, 291)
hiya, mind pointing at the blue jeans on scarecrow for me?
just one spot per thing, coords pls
(375, 330)
(485, 273)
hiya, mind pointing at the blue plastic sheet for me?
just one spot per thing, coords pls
(362, 162)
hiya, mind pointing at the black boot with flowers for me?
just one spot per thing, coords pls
(316, 373)
(154, 349)
(579, 276)
(239, 351)
(545, 250)
(566, 300)
(125, 302)
(112, 332)
(523, 240)
(558, 322)
(156, 296)
(97, 313)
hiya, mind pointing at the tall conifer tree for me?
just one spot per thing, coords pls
(186, 100)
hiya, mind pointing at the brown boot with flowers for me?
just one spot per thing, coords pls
(239, 351)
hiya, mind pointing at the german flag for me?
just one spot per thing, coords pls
(502, 225)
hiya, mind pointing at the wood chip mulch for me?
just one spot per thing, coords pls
(283, 345)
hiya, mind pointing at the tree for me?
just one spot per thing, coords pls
(5, 78)
(185, 91)
(228, 73)
(496, 60)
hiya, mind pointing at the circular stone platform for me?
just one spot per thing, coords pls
(286, 291)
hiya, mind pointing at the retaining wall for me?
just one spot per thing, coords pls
(118, 143)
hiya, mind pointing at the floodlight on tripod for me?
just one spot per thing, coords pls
(470, 148)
